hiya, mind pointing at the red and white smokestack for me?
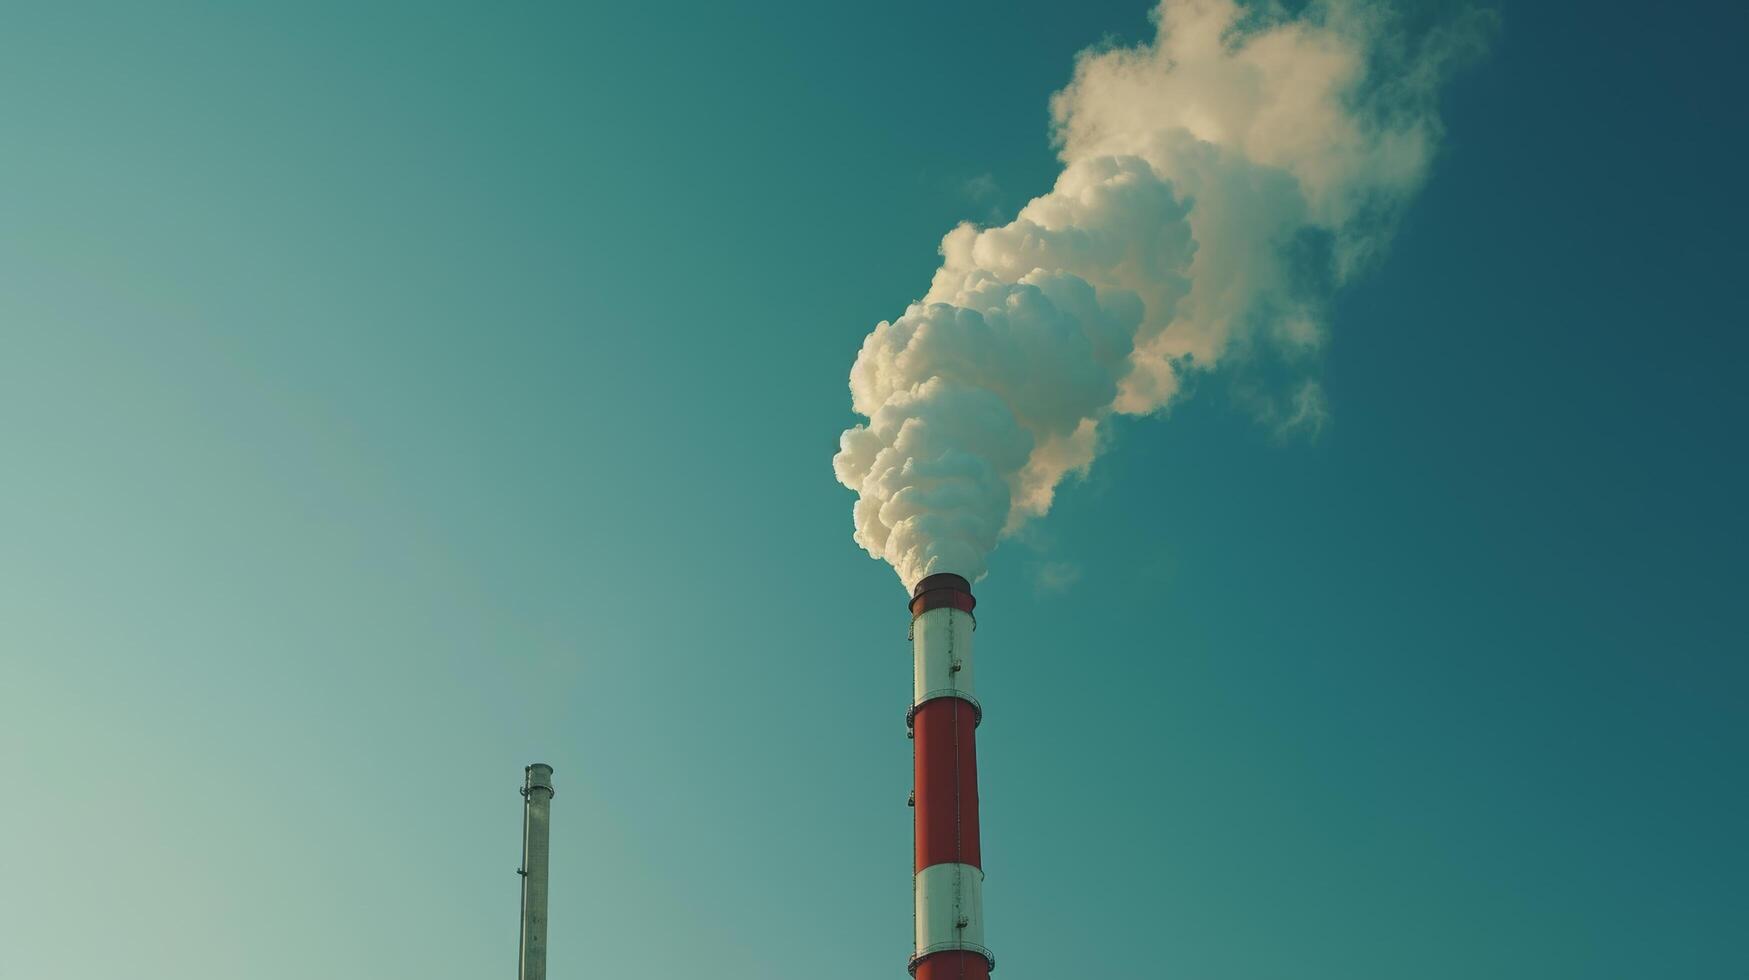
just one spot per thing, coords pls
(944, 716)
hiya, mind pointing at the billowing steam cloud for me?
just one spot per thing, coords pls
(1218, 185)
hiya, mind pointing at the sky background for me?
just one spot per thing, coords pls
(391, 397)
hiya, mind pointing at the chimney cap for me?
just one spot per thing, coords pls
(537, 776)
(942, 589)
(942, 580)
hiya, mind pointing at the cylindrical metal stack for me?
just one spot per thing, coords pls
(537, 796)
(944, 716)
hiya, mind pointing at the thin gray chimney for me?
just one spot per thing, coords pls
(537, 810)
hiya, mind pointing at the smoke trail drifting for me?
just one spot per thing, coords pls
(1218, 184)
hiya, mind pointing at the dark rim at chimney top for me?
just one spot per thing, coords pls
(942, 589)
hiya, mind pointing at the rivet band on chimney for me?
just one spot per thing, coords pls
(944, 716)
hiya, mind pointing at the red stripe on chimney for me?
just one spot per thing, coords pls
(945, 772)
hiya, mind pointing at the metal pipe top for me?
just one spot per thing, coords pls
(539, 776)
(942, 589)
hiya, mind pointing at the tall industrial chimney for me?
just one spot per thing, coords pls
(537, 809)
(944, 716)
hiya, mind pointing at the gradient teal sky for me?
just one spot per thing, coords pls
(391, 397)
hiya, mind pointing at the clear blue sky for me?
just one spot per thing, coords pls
(393, 397)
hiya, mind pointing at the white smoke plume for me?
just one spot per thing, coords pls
(1218, 185)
